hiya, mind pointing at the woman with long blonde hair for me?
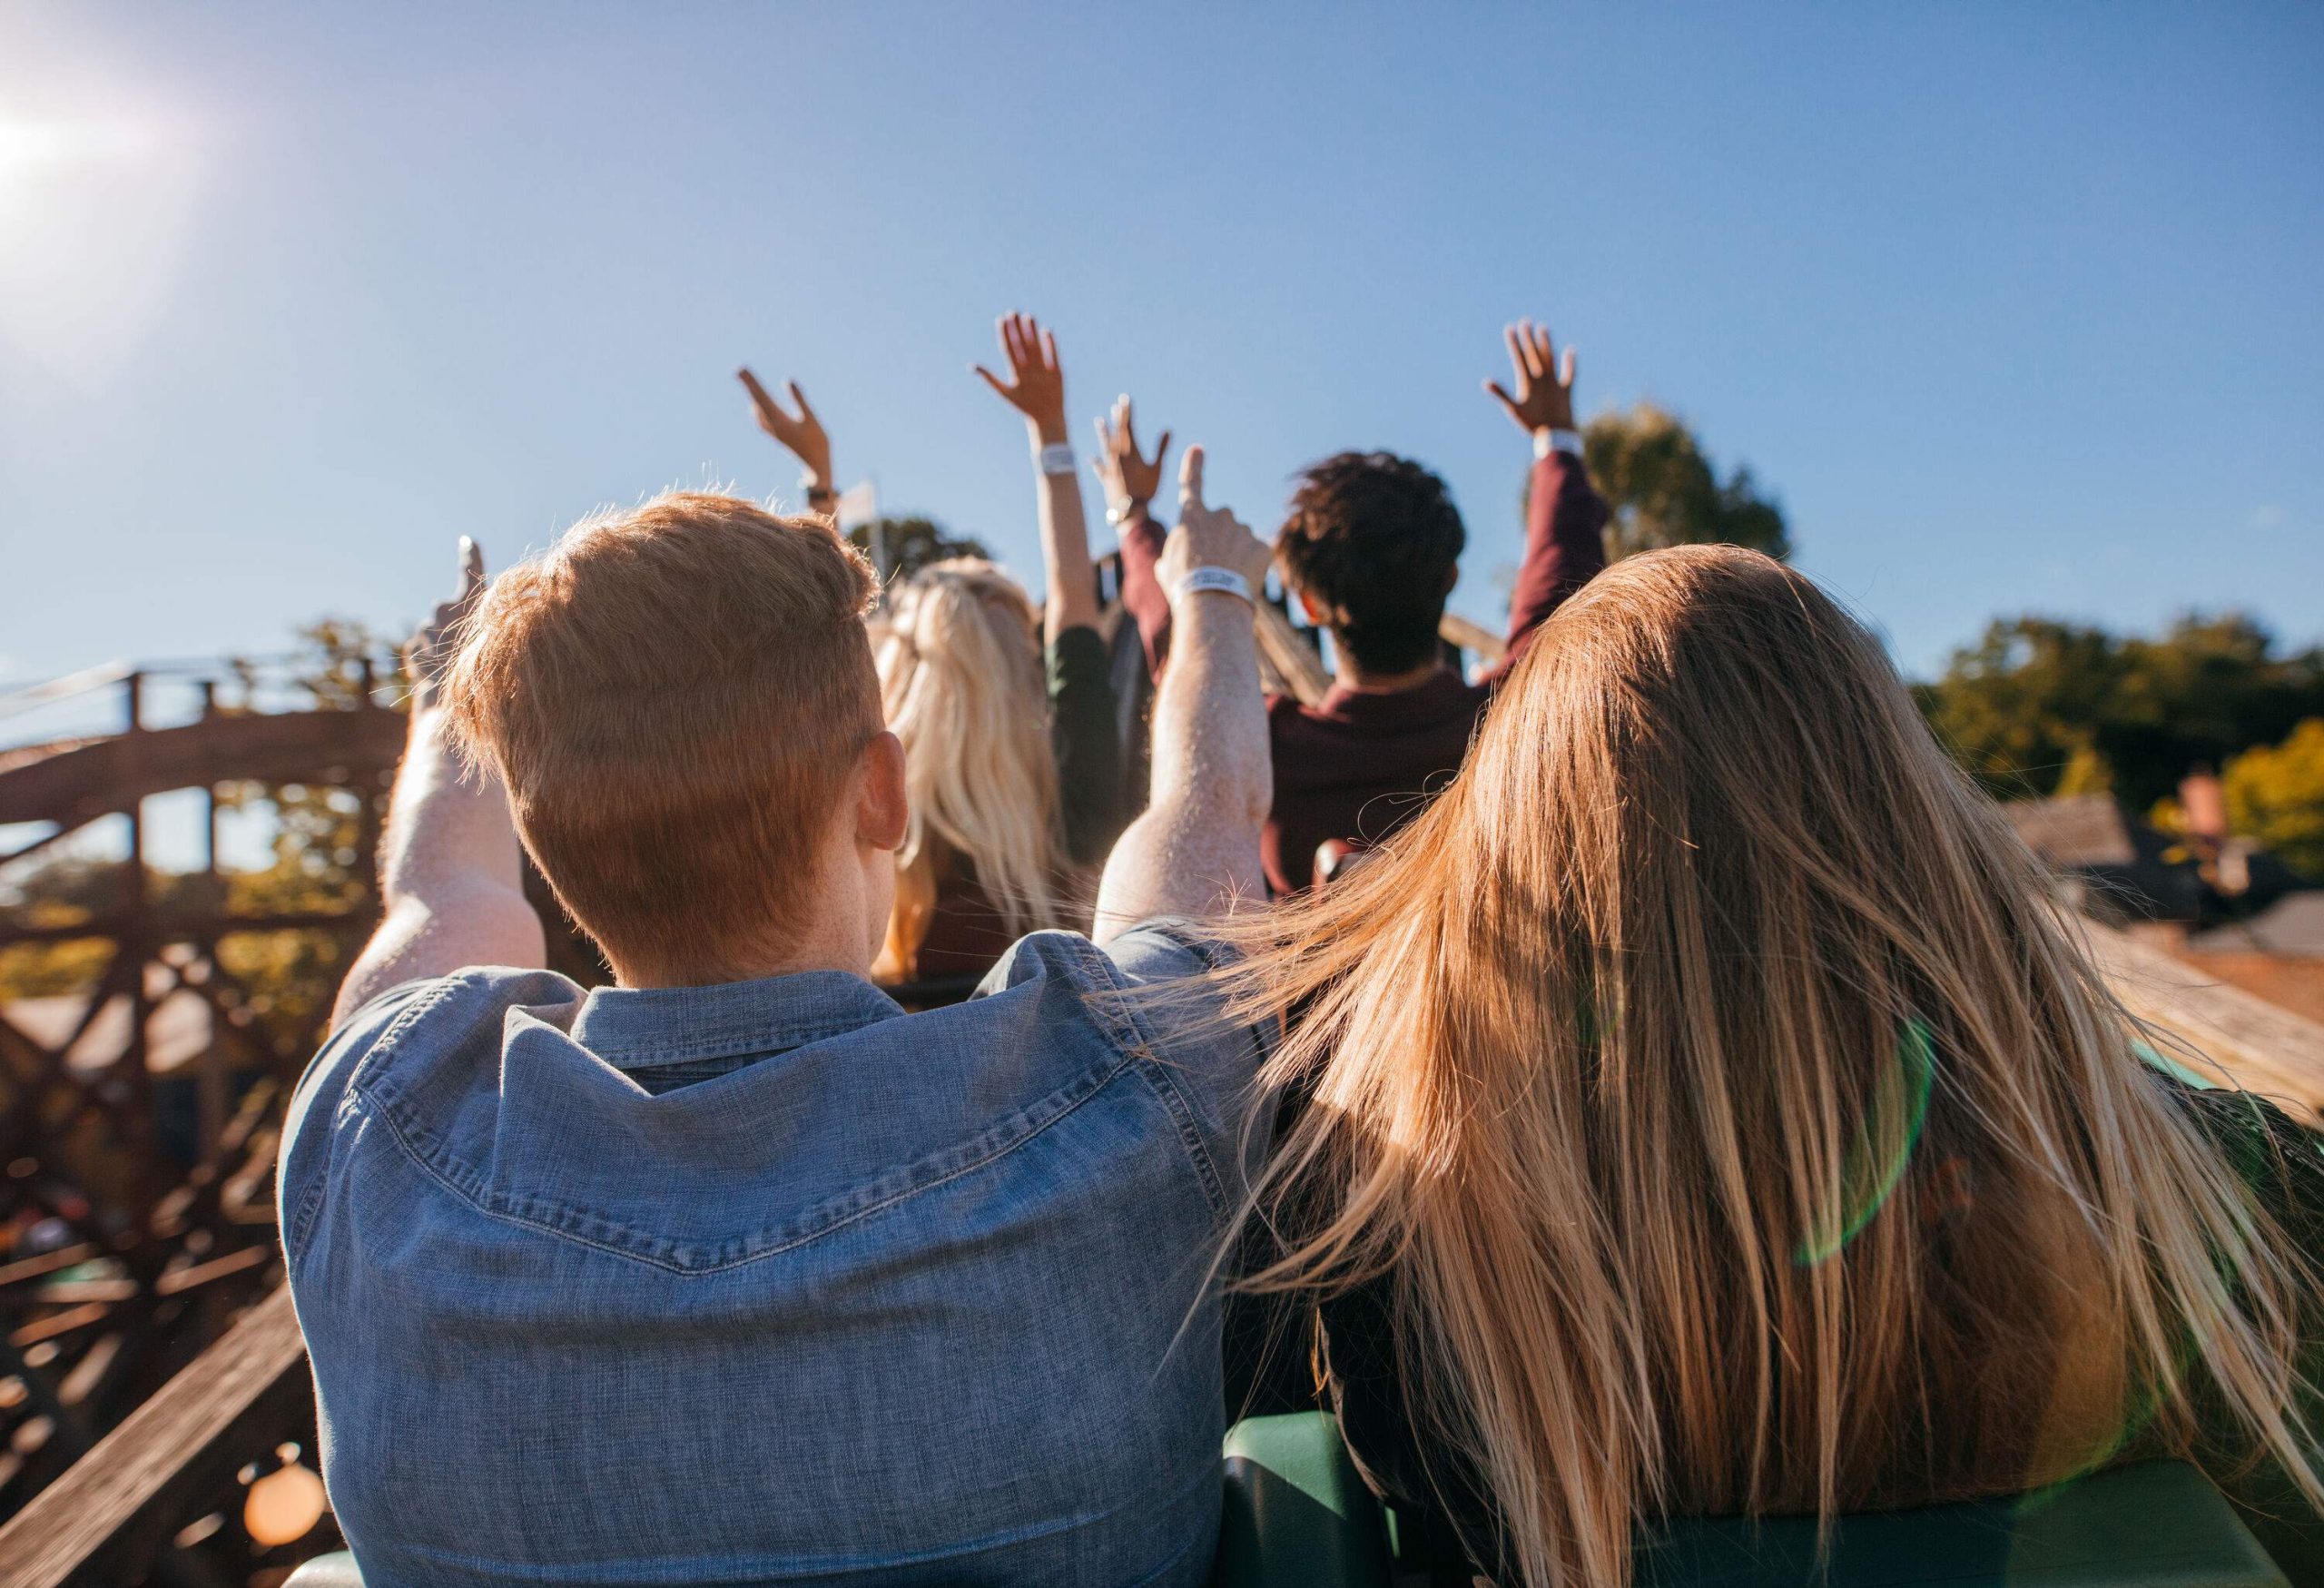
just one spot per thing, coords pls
(1700, 1110)
(1006, 716)
(984, 858)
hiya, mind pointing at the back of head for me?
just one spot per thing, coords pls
(1735, 1120)
(961, 675)
(675, 696)
(1374, 541)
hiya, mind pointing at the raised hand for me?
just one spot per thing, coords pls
(1544, 399)
(1036, 386)
(803, 435)
(1210, 536)
(1129, 479)
(432, 648)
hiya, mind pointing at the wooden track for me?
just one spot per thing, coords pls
(78, 781)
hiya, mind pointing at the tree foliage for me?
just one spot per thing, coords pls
(911, 544)
(2040, 707)
(2275, 796)
(1655, 475)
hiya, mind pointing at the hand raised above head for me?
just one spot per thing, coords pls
(1130, 478)
(429, 651)
(1544, 399)
(803, 435)
(1208, 537)
(1036, 386)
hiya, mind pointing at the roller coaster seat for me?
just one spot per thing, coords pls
(1296, 1514)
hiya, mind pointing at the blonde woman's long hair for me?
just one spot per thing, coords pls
(1733, 1124)
(960, 680)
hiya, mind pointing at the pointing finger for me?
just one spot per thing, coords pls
(471, 567)
(799, 398)
(758, 392)
(1190, 482)
(1161, 448)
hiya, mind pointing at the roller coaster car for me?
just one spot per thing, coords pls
(1298, 1516)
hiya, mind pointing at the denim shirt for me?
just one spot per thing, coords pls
(772, 1282)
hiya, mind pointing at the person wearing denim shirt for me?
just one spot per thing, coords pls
(751, 1276)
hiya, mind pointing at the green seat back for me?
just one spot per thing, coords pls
(1295, 1511)
(1296, 1514)
(2154, 1525)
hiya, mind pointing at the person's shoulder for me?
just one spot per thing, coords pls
(429, 1014)
(414, 1020)
(1161, 950)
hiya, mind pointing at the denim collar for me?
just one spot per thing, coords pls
(634, 1027)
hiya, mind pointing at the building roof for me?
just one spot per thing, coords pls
(2081, 830)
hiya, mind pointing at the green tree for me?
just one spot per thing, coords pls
(2023, 703)
(2275, 797)
(1664, 491)
(2040, 707)
(911, 544)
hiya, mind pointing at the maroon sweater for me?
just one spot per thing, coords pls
(1358, 765)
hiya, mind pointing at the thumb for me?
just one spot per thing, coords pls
(1190, 482)
(471, 567)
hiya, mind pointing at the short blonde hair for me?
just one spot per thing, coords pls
(675, 696)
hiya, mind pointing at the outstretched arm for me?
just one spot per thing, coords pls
(1195, 849)
(451, 874)
(1130, 480)
(803, 437)
(1565, 517)
(1036, 388)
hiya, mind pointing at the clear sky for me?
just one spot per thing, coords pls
(2014, 307)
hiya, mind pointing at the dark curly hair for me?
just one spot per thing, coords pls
(1374, 539)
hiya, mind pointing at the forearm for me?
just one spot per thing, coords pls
(1565, 544)
(1143, 598)
(451, 875)
(1072, 596)
(1195, 849)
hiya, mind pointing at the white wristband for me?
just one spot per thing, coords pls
(1548, 441)
(1212, 579)
(1056, 458)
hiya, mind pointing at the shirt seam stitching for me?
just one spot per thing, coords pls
(388, 1117)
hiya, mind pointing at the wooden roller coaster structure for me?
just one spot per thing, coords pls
(150, 1350)
(131, 1253)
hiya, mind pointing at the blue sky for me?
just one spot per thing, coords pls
(2015, 308)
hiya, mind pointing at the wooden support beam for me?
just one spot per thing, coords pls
(2264, 1049)
(96, 1522)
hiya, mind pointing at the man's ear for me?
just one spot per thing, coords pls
(1318, 614)
(883, 806)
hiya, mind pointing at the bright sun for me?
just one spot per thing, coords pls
(95, 209)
